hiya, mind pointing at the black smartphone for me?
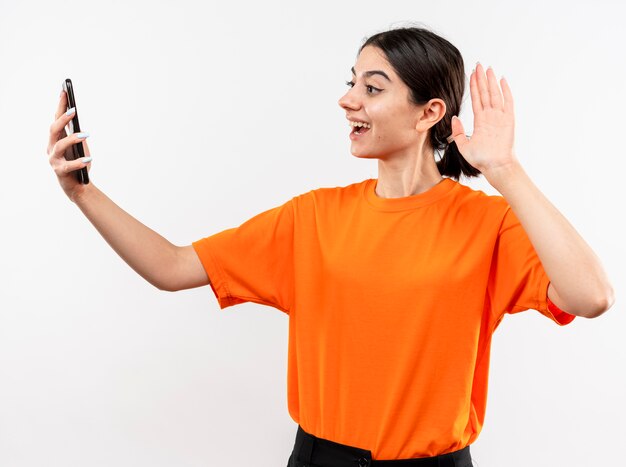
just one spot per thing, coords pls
(72, 127)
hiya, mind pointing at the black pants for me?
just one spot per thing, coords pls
(311, 451)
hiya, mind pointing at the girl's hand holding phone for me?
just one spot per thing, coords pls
(59, 144)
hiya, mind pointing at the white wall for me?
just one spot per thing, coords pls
(196, 112)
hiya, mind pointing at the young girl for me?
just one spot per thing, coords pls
(393, 286)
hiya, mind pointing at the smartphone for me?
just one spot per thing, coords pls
(72, 127)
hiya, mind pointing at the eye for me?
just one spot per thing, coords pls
(370, 88)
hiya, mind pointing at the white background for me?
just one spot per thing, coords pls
(201, 115)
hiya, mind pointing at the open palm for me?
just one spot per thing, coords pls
(491, 143)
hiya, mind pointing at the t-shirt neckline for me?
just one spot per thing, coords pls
(429, 196)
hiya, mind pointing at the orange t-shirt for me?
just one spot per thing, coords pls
(392, 303)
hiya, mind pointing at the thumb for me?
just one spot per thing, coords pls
(458, 132)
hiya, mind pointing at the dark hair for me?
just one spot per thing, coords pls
(432, 68)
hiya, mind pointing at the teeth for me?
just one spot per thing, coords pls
(361, 124)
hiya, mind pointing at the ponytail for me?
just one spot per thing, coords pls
(452, 163)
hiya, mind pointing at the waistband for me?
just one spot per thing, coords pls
(311, 451)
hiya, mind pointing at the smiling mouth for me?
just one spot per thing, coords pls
(360, 130)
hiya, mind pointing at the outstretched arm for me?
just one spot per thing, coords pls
(163, 264)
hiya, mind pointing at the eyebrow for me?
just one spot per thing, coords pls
(373, 72)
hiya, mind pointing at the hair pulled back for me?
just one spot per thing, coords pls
(431, 67)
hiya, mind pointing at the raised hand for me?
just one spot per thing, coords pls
(59, 143)
(490, 146)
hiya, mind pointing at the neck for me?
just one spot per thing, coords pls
(407, 175)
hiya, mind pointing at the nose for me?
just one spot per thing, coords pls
(349, 101)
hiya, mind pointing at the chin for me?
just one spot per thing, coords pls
(364, 154)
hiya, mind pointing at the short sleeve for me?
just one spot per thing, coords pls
(517, 279)
(252, 262)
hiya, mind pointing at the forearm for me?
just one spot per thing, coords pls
(574, 269)
(148, 253)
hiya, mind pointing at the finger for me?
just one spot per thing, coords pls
(482, 86)
(62, 168)
(86, 148)
(57, 128)
(62, 145)
(494, 91)
(458, 132)
(508, 96)
(62, 107)
(476, 104)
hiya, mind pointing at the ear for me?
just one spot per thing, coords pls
(431, 112)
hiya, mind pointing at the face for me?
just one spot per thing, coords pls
(377, 96)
